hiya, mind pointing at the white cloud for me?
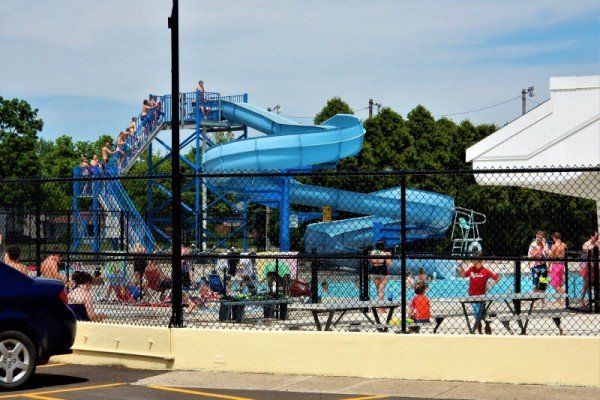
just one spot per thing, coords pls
(295, 53)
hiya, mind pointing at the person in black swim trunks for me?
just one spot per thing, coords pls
(379, 268)
(139, 267)
(539, 250)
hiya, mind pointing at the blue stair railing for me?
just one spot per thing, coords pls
(110, 193)
(115, 199)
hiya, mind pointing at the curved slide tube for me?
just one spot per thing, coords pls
(289, 145)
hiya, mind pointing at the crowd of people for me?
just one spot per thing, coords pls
(547, 270)
(239, 276)
(130, 140)
(127, 142)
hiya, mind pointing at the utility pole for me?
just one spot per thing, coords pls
(371, 104)
(529, 91)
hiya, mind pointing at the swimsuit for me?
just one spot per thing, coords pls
(379, 269)
(557, 272)
(539, 276)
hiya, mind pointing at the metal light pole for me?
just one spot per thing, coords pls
(177, 312)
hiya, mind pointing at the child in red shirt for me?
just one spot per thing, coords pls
(478, 285)
(420, 310)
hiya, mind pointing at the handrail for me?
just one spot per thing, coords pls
(125, 203)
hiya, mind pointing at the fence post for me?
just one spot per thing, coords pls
(276, 277)
(596, 282)
(69, 216)
(363, 278)
(121, 231)
(567, 284)
(38, 222)
(518, 285)
(403, 251)
(314, 278)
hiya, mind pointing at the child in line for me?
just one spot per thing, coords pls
(420, 310)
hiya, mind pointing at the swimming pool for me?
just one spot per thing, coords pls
(454, 287)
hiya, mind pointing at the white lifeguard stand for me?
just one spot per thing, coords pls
(465, 231)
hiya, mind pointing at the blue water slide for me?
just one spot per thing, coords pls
(289, 145)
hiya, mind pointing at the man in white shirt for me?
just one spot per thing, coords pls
(539, 250)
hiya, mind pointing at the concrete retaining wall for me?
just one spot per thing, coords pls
(514, 359)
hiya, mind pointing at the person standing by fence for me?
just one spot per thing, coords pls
(478, 285)
(539, 251)
(557, 268)
(379, 268)
(587, 270)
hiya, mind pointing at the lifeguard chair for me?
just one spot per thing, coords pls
(465, 231)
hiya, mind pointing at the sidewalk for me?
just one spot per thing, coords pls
(363, 386)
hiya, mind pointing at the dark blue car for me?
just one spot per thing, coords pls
(35, 324)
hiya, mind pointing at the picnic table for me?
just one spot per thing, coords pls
(235, 309)
(342, 307)
(521, 315)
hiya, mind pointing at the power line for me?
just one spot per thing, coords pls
(296, 116)
(479, 109)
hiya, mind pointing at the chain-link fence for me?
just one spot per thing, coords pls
(501, 252)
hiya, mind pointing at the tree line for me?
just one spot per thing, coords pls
(417, 142)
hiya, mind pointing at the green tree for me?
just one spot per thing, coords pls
(19, 127)
(334, 106)
(58, 158)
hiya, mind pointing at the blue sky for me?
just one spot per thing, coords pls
(87, 65)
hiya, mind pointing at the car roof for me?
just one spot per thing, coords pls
(10, 275)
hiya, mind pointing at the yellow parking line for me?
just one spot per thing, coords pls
(368, 398)
(197, 393)
(33, 396)
(76, 389)
(51, 365)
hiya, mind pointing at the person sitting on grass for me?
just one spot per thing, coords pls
(81, 294)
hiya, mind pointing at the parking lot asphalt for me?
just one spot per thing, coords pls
(77, 382)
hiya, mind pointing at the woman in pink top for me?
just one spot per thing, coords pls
(557, 268)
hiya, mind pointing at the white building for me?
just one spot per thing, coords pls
(562, 132)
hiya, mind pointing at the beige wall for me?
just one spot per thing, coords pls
(514, 359)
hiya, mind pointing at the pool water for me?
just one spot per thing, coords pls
(454, 287)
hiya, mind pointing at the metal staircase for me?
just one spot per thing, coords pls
(123, 216)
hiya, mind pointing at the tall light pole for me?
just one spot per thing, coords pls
(276, 109)
(176, 178)
(523, 98)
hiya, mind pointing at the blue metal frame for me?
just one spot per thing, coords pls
(191, 112)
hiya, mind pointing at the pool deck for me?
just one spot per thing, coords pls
(573, 323)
